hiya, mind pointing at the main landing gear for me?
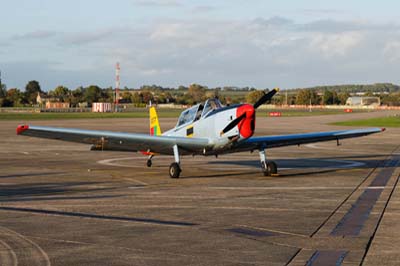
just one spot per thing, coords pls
(174, 168)
(268, 168)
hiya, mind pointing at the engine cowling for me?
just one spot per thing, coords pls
(247, 125)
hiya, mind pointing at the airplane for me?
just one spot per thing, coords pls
(207, 129)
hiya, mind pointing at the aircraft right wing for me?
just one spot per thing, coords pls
(303, 138)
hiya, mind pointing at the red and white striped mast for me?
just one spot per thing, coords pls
(117, 85)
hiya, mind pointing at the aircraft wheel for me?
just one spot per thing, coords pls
(149, 163)
(269, 168)
(174, 170)
(273, 168)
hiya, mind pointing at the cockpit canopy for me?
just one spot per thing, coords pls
(198, 111)
(210, 105)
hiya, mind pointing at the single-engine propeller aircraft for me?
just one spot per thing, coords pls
(204, 129)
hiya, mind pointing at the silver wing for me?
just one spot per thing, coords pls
(265, 142)
(118, 141)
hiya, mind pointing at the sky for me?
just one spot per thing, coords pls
(255, 43)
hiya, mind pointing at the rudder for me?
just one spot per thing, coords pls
(155, 129)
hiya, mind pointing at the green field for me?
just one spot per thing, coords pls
(61, 116)
(143, 113)
(392, 121)
(305, 112)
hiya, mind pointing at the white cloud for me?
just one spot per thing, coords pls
(263, 52)
(340, 44)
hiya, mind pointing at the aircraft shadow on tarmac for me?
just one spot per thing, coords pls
(98, 216)
(31, 174)
(324, 164)
(50, 191)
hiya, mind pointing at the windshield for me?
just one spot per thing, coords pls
(210, 105)
(189, 115)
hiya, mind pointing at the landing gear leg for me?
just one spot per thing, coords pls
(149, 162)
(174, 168)
(268, 168)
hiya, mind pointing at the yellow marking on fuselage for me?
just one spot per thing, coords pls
(189, 131)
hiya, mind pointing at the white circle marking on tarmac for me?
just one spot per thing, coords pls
(342, 164)
(7, 255)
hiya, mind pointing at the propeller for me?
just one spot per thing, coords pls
(233, 124)
(265, 98)
(238, 119)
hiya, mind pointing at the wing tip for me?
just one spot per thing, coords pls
(21, 129)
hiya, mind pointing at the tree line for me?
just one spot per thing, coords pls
(194, 93)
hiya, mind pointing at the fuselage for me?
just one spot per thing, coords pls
(209, 120)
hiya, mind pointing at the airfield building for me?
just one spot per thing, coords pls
(363, 101)
(51, 102)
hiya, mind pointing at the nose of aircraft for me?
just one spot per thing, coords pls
(247, 125)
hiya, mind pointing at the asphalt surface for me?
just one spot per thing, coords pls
(61, 204)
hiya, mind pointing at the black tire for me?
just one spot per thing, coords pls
(149, 163)
(272, 167)
(174, 170)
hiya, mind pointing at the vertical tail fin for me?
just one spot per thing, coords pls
(155, 129)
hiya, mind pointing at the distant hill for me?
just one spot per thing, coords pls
(352, 88)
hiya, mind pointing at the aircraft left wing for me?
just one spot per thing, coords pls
(304, 138)
(118, 141)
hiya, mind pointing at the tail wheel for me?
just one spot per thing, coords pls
(174, 170)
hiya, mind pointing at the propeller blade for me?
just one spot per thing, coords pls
(265, 98)
(233, 123)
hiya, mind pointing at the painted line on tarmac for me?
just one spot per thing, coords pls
(7, 255)
(341, 164)
(350, 164)
(318, 147)
(280, 188)
(136, 187)
(112, 162)
(371, 187)
(44, 257)
(137, 181)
